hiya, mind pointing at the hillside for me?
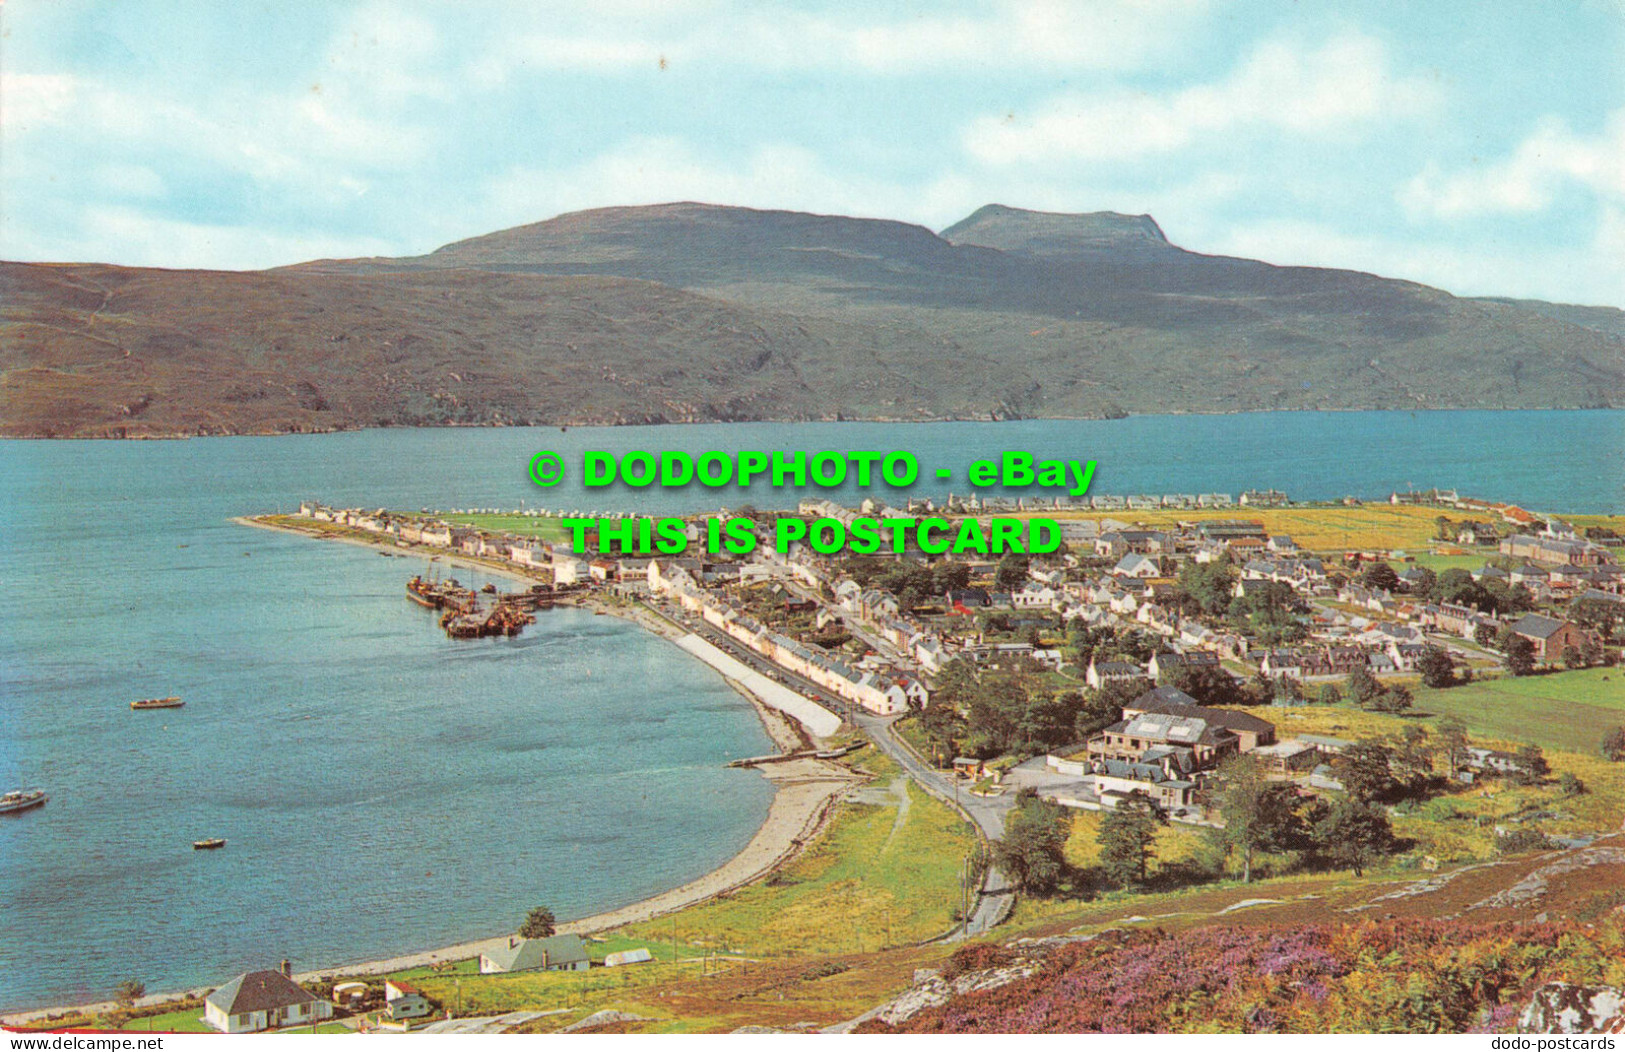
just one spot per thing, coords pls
(689, 312)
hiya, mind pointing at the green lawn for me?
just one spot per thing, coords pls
(1563, 710)
(181, 1021)
(547, 528)
(1441, 563)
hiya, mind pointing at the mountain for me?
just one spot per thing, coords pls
(692, 312)
(1061, 236)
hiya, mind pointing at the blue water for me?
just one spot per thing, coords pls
(385, 789)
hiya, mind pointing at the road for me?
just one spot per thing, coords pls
(996, 895)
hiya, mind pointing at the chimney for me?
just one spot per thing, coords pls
(287, 968)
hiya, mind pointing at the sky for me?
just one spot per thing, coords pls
(1476, 146)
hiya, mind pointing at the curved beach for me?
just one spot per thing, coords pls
(804, 792)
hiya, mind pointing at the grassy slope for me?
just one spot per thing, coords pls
(870, 881)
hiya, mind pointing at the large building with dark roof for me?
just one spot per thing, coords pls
(1250, 731)
(1549, 635)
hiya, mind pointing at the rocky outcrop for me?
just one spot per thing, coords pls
(1563, 1008)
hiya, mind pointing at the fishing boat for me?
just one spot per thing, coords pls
(21, 800)
(210, 844)
(171, 702)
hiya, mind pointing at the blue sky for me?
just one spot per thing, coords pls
(1478, 146)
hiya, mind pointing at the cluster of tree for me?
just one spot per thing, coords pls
(1437, 668)
(1270, 611)
(1109, 643)
(994, 712)
(1447, 530)
(1601, 616)
(1520, 652)
(1260, 816)
(1033, 850)
(1414, 763)
(1366, 691)
(911, 581)
(1455, 586)
(1269, 816)
(1212, 685)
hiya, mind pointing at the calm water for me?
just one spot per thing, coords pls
(385, 789)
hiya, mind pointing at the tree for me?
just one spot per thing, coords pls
(1573, 658)
(1380, 576)
(1394, 699)
(539, 924)
(1259, 815)
(1033, 851)
(1330, 695)
(1613, 745)
(1520, 655)
(1413, 759)
(1436, 667)
(1484, 635)
(1353, 834)
(129, 992)
(1208, 684)
(1363, 686)
(1210, 584)
(1011, 572)
(1570, 784)
(1529, 766)
(1453, 742)
(950, 575)
(1365, 771)
(1127, 839)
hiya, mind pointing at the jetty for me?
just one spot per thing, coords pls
(469, 614)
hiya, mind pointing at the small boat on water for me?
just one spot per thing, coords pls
(210, 844)
(21, 800)
(171, 702)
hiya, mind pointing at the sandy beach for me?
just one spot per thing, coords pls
(805, 791)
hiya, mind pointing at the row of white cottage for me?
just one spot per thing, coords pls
(871, 689)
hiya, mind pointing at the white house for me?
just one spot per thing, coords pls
(263, 1000)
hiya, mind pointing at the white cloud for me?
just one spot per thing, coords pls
(1527, 181)
(32, 100)
(1343, 84)
(1010, 34)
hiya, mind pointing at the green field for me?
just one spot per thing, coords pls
(547, 528)
(1564, 710)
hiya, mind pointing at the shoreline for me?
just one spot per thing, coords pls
(347, 429)
(805, 791)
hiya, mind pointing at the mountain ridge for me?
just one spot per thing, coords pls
(693, 312)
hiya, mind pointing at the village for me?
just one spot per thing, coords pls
(1156, 630)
